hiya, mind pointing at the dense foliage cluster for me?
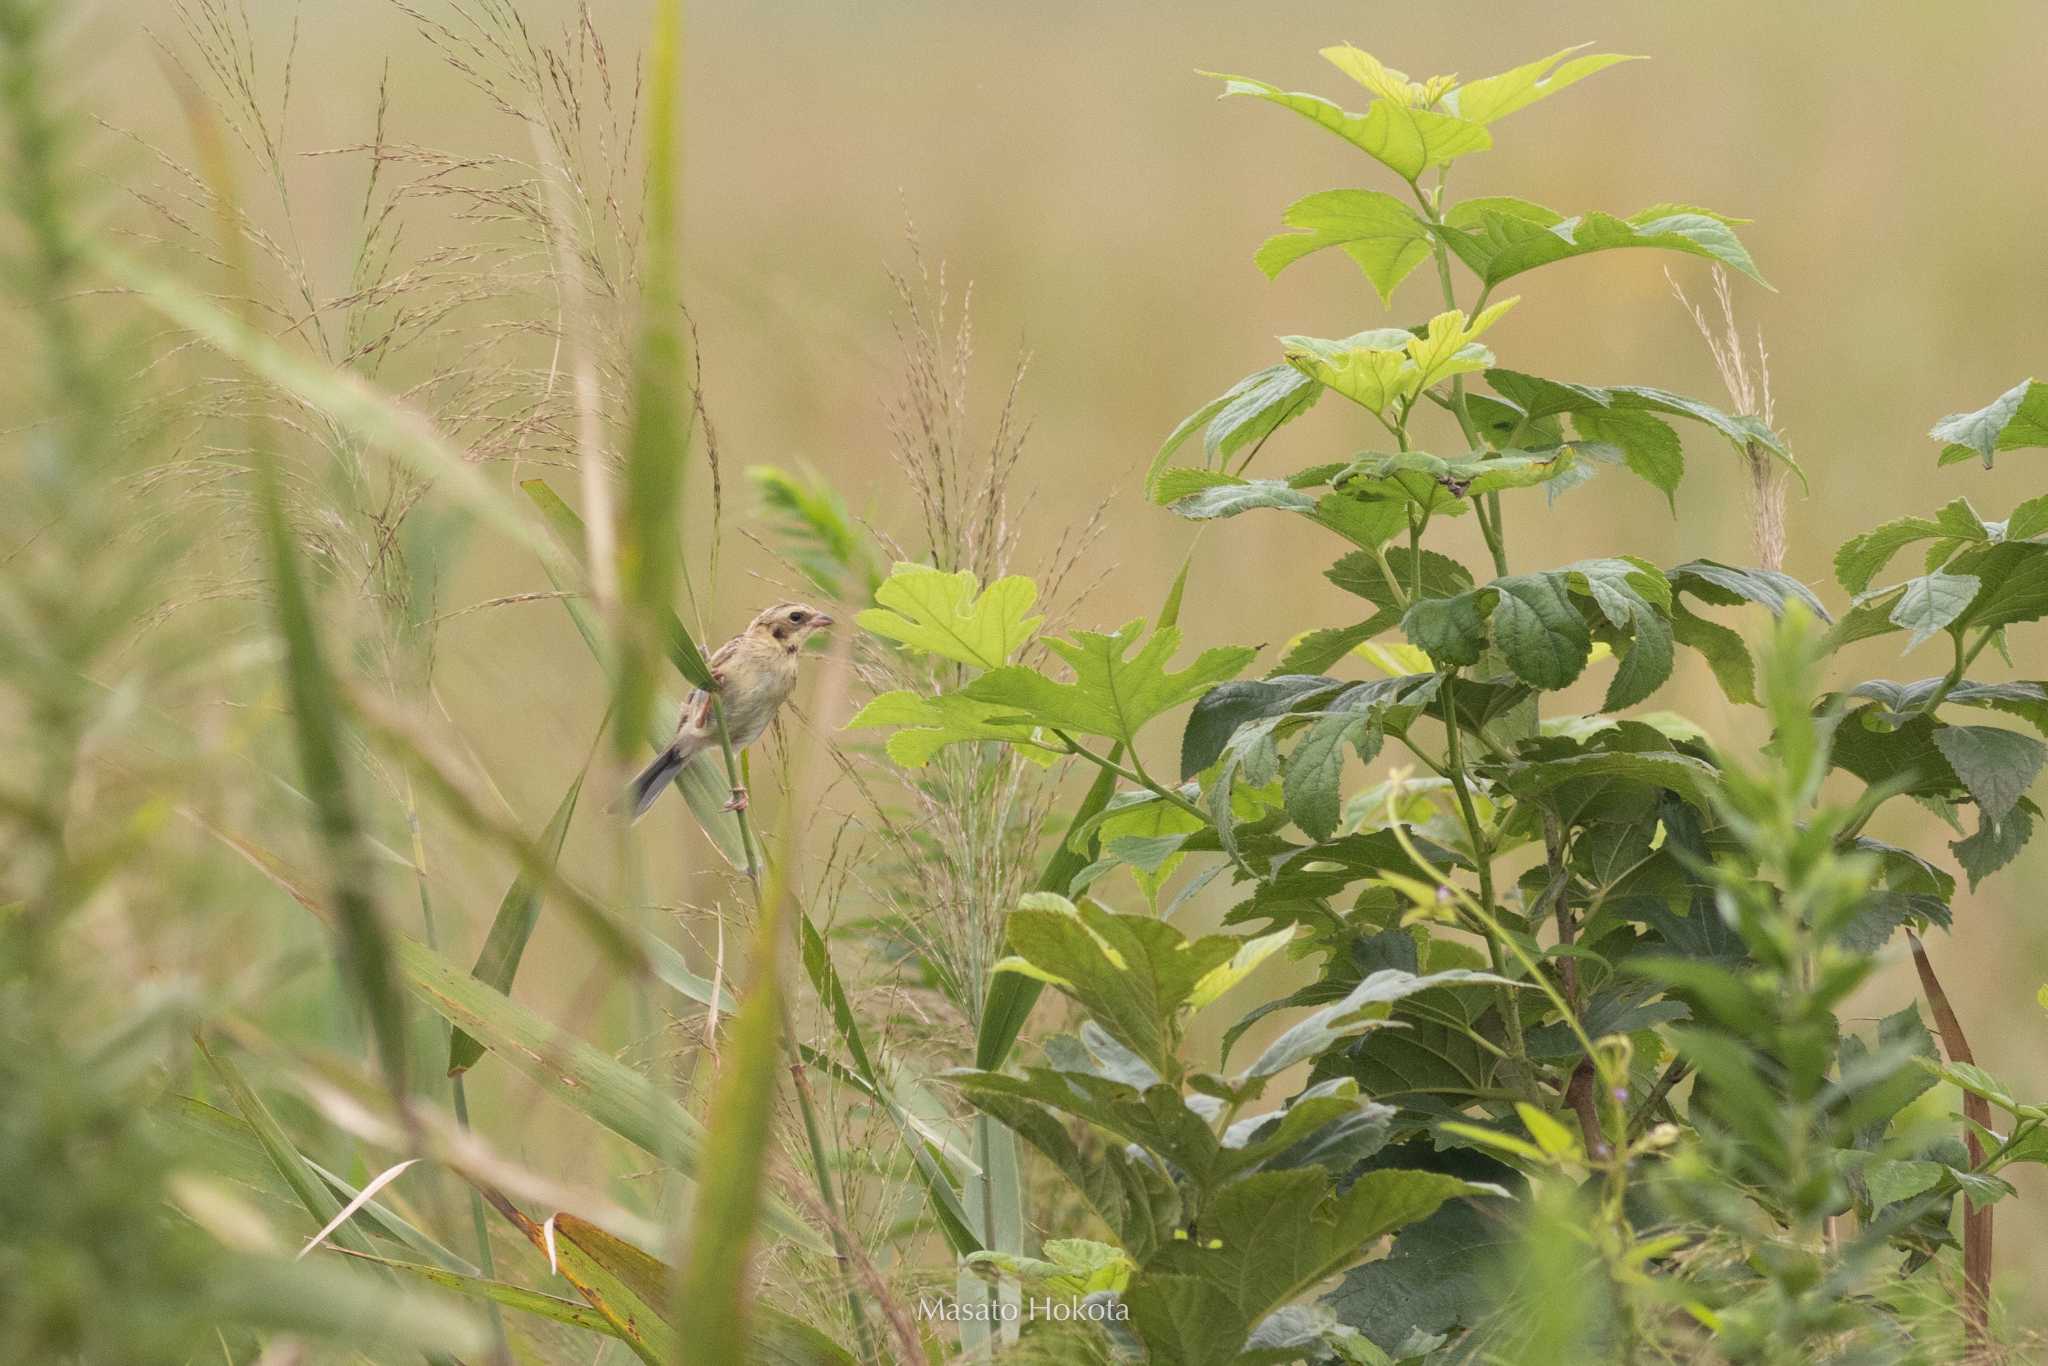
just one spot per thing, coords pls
(1542, 928)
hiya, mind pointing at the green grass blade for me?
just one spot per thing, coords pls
(503, 1293)
(590, 1081)
(298, 1173)
(658, 438)
(717, 1279)
(952, 1216)
(518, 913)
(227, 1145)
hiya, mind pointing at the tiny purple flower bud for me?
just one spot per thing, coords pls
(1621, 1095)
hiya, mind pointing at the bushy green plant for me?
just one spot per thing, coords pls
(1593, 965)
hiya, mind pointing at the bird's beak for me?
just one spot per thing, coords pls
(821, 621)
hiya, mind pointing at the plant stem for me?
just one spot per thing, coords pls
(1139, 777)
(1482, 858)
(458, 1093)
(806, 1104)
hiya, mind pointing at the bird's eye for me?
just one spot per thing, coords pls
(797, 617)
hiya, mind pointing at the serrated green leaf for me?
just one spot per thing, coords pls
(939, 613)
(2016, 419)
(1648, 445)
(1932, 602)
(1223, 495)
(927, 724)
(1996, 765)
(1243, 415)
(1310, 782)
(1114, 692)
(1132, 973)
(1495, 97)
(1539, 630)
(1406, 141)
(1500, 239)
(1377, 231)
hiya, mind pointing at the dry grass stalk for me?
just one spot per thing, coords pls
(1748, 382)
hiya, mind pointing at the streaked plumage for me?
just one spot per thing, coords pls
(755, 672)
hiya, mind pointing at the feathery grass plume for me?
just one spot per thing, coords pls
(935, 858)
(1748, 381)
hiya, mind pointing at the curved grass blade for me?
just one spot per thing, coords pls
(589, 1081)
(498, 962)
(298, 1173)
(503, 1293)
(717, 1272)
(952, 1216)
(658, 438)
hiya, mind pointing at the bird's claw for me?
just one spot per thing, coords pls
(739, 800)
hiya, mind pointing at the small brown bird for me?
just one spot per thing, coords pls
(755, 672)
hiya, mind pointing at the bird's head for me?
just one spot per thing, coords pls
(790, 623)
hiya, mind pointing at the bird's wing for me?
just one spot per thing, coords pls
(697, 708)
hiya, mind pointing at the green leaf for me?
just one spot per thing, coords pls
(1541, 398)
(1932, 602)
(925, 725)
(1376, 230)
(1114, 693)
(1539, 631)
(1862, 557)
(817, 533)
(1648, 445)
(938, 613)
(1269, 1237)
(1435, 1278)
(1310, 781)
(1223, 495)
(1996, 843)
(1495, 97)
(1375, 369)
(2016, 419)
(1406, 141)
(1130, 972)
(1224, 708)
(498, 961)
(1434, 484)
(1361, 1009)
(1501, 238)
(1243, 415)
(1996, 765)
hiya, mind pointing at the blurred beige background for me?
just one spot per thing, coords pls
(1066, 158)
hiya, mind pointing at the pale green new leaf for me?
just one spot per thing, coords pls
(938, 613)
(1495, 97)
(926, 724)
(1376, 230)
(1114, 692)
(1406, 141)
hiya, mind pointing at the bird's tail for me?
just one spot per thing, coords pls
(654, 779)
